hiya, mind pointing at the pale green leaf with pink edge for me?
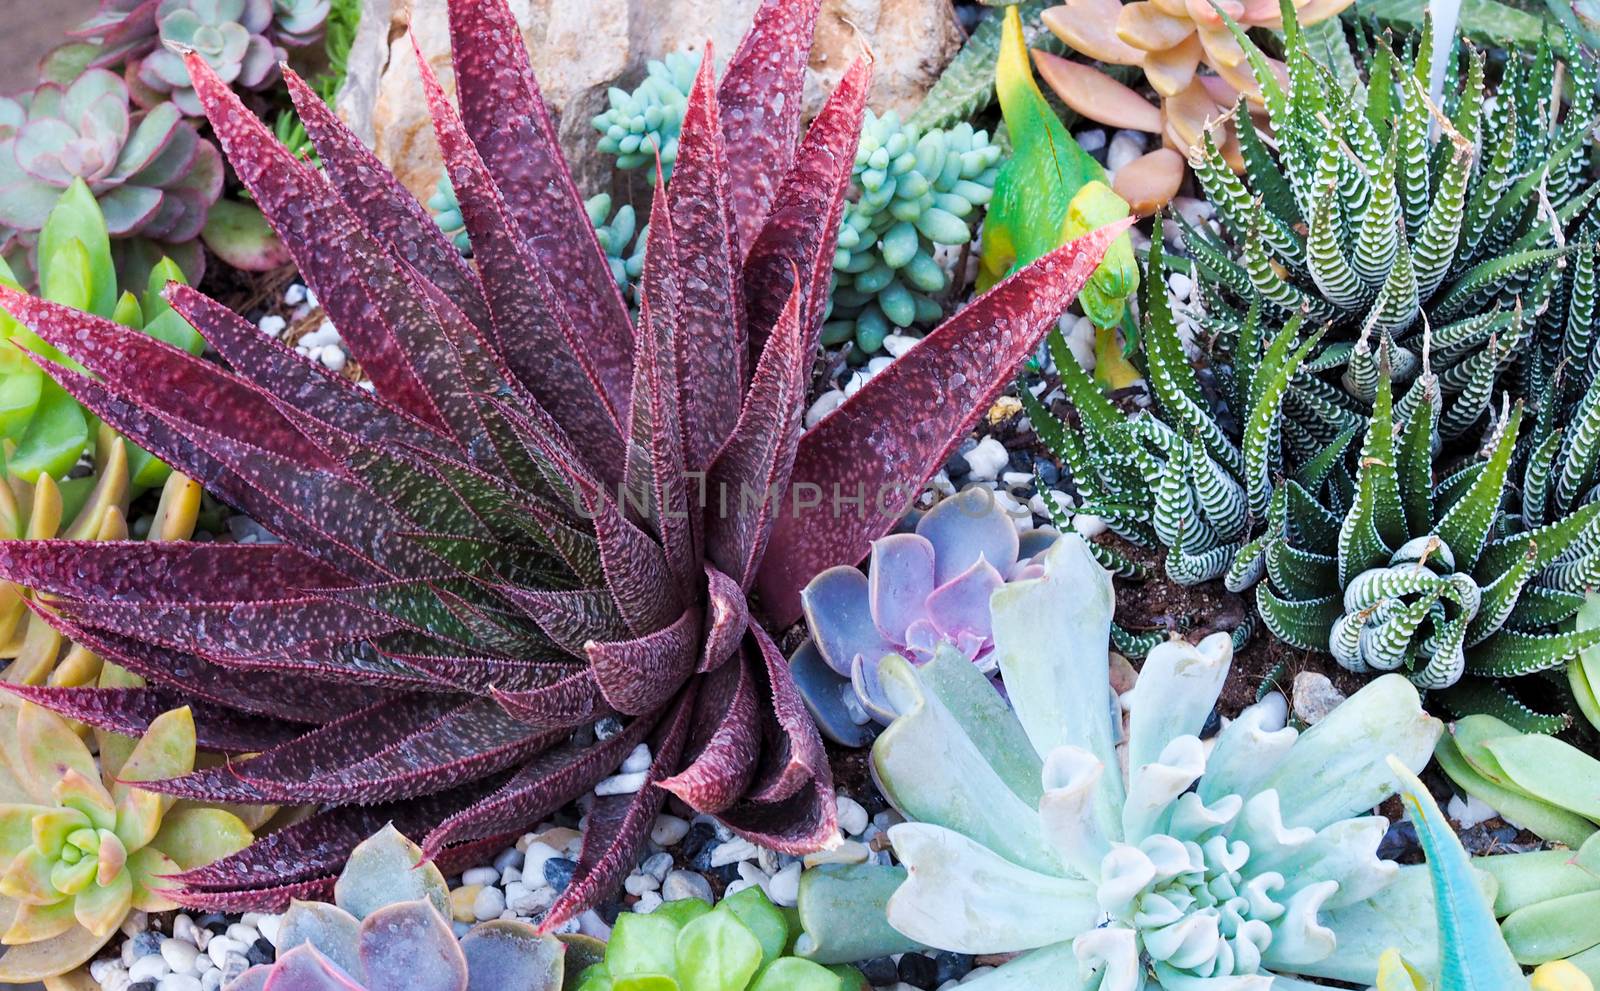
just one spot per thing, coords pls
(385, 868)
(49, 747)
(88, 796)
(101, 908)
(151, 870)
(138, 817)
(34, 923)
(47, 829)
(27, 879)
(166, 750)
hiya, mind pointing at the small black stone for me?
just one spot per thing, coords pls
(608, 911)
(697, 844)
(1504, 835)
(879, 971)
(558, 872)
(1399, 841)
(1213, 725)
(143, 986)
(727, 873)
(919, 971)
(956, 466)
(260, 952)
(608, 727)
(1047, 471)
(950, 967)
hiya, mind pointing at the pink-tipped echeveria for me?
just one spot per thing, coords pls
(82, 844)
(1248, 860)
(154, 177)
(232, 36)
(458, 590)
(924, 587)
(387, 929)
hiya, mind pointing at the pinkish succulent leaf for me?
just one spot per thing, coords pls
(304, 969)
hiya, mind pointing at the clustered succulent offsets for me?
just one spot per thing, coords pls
(495, 547)
(916, 192)
(643, 125)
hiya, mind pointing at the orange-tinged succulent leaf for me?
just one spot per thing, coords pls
(1150, 181)
(153, 874)
(35, 923)
(101, 908)
(139, 817)
(1172, 71)
(19, 826)
(1142, 25)
(59, 954)
(88, 796)
(50, 749)
(195, 837)
(1090, 27)
(111, 859)
(28, 879)
(1096, 95)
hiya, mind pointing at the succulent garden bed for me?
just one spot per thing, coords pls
(1121, 513)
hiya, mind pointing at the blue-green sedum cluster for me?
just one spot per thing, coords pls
(649, 117)
(619, 233)
(917, 191)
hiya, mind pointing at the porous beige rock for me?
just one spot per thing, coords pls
(579, 50)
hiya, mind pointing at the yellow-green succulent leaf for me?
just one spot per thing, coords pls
(71, 877)
(21, 386)
(88, 796)
(50, 748)
(101, 908)
(139, 817)
(28, 879)
(49, 958)
(1394, 974)
(17, 827)
(35, 923)
(128, 312)
(55, 438)
(1560, 975)
(162, 272)
(150, 870)
(51, 827)
(166, 750)
(76, 219)
(66, 277)
(196, 837)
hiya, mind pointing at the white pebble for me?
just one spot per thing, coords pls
(825, 404)
(179, 954)
(590, 924)
(852, 817)
(622, 784)
(848, 852)
(533, 865)
(733, 851)
(102, 970)
(480, 875)
(877, 365)
(668, 830)
(647, 903)
(295, 294)
(149, 968)
(178, 982)
(638, 760)
(784, 888)
(246, 935)
(854, 384)
(1125, 147)
(685, 884)
(509, 875)
(529, 902)
(1091, 141)
(1470, 812)
(269, 924)
(1088, 526)
(734, 887)
(491, 901)
(272, 325)
(1021, 516)
(987, 459)
(657, 865)
(899, 344)
(638, 884)
(211, 980)
(333, 358)
(1080, 341)
(509, 859)
(219, 948)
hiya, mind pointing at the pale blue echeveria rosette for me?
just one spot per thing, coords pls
(924, 587)
(1247, 862)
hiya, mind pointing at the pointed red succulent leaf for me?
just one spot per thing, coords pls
(162, 571)
(387, 208)
(618, 824)
(761, 95)
(803, 823)
(566, 703)
(330, 247)
(892, 435)
(542, 786)
(571, 618)
(636, 568)
(509, 124)
(726, 622)
(130, 711)
(726, 746)
(795, 245)
(539, 341)
(714, 354)
(793, 756)
(639, 676)
(237, 629)
(748, 481)
(303, 386)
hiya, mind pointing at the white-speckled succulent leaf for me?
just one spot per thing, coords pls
(1248, 750)
(1339, 768)
(329, 928)
(1066, 812)
(964, 897)
(1050, 638)
(384, 869)
(1178, 685)
(933, 771)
